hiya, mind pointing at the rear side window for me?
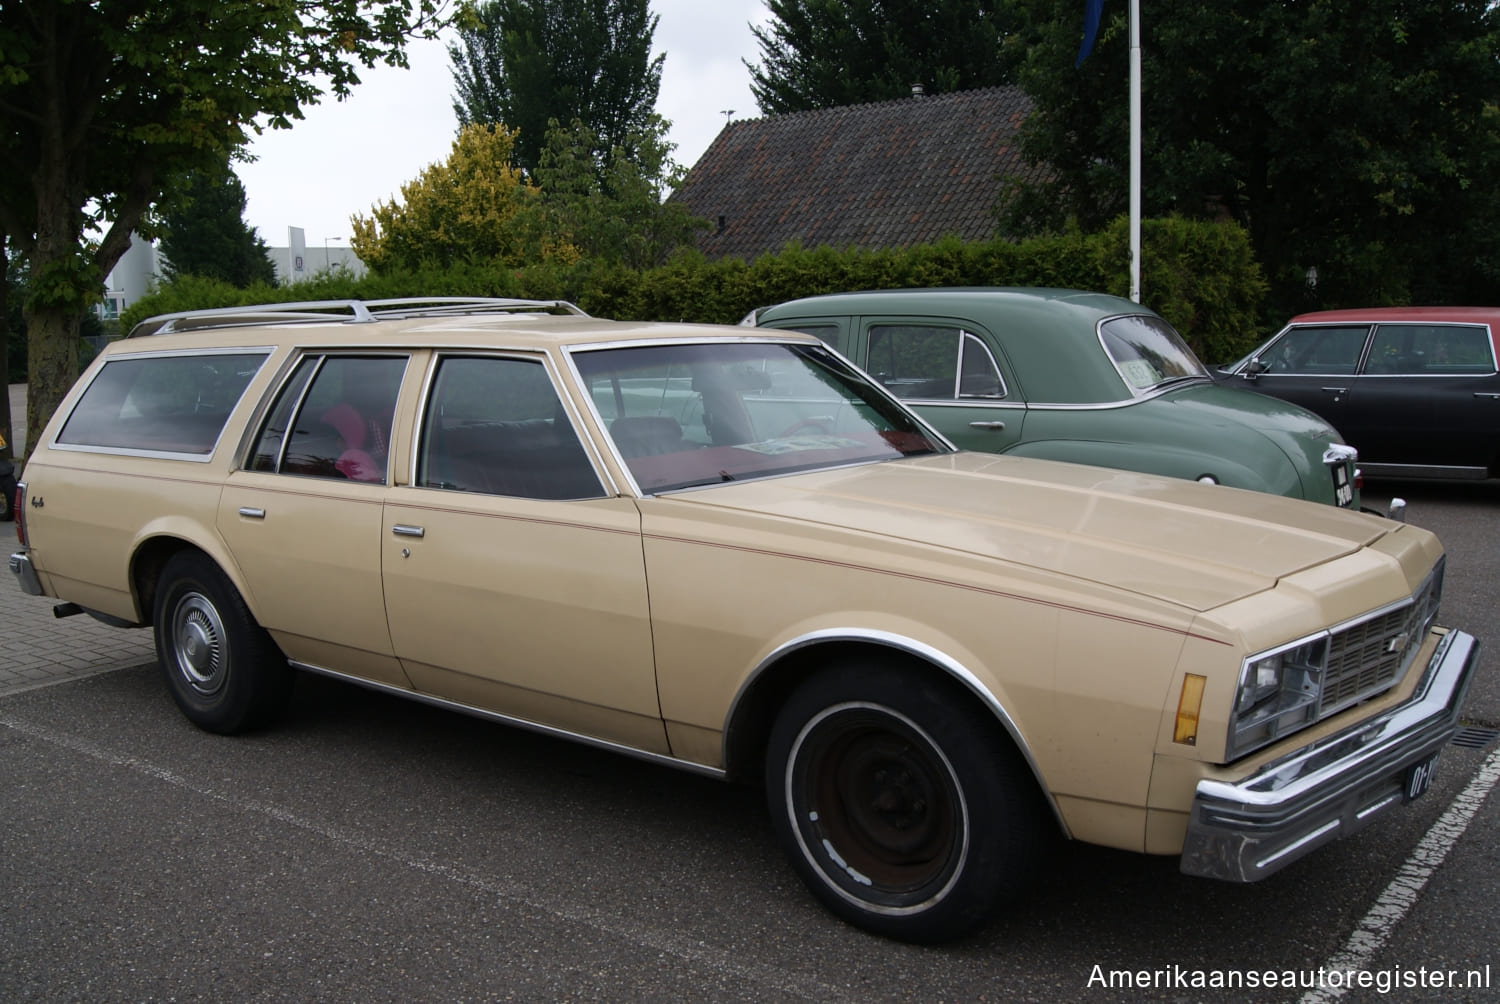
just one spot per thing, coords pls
(928, 362)
(1431, 350)
(333, 419)
(169, 404)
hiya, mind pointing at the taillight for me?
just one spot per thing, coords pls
(18, 507)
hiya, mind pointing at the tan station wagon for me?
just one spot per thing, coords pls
(731, 551)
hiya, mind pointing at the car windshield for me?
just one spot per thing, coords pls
(1148, 352)
(707, 412)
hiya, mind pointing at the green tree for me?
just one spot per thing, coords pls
(472, 207)
(102, 103)
(204, 233)
(1357, 143)
(526, 63)
(826, 53)
(615, 212)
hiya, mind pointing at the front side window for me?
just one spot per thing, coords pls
(332, 419)
(1431, 350)
(495, 426)
(932, 362)
(161, 404)
(1148, 352)
(702, 413)
(1316, 350)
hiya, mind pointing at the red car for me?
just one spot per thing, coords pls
(1415, 389)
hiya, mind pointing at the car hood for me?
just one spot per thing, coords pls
(1198, 546)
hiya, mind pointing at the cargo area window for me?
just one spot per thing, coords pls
(168, 404)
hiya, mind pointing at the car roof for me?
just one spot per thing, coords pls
(1049, 335)
(1450, 315)
(968, 298)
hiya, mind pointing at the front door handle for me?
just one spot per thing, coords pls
(250, 512)
(1336, 390)
(403, 530)
(995, 426)
(1488, 394)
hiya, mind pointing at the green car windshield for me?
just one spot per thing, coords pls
(1148, 352)
(689, 414)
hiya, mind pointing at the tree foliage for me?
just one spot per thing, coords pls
(204, 233)
(1357, 140)
(826, 53)
(472, 207)
(615, 211)
(526, 63)
(102, 103)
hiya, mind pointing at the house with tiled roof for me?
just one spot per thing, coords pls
(885, 175)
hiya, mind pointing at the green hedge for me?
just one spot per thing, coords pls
(1200, 276)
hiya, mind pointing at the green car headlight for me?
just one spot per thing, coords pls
(1279, 693)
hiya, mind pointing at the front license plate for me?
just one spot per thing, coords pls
(1343, 491)
(1418, 777)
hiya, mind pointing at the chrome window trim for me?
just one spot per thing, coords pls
(887, 639)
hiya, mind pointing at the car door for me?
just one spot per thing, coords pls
(1315, 365)
(303, 516)
(951, 372)
(1427, 397)
(514, 581)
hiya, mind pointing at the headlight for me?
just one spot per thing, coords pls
(1278, 693)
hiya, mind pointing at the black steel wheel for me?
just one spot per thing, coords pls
(902, 804)
(220, 666)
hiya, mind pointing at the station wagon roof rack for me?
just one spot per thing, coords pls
(347, 311)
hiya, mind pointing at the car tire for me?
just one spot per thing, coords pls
(901, 802)
(220, 666)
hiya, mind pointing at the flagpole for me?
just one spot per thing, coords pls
(1135, 150)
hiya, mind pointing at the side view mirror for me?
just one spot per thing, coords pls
(1254, 368)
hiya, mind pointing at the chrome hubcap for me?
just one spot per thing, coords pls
(198, 639)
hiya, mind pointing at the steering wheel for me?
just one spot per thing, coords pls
(806, 423)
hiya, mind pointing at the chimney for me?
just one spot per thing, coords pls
(917, 90)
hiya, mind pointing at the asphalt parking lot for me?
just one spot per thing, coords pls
(373, 849)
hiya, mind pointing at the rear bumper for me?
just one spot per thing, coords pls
(25, 573)
(1246, 830)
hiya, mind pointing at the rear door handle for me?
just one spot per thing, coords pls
(404, 530)
(1485, 393)
(1336, 390)
(996, 426)
(250, 512)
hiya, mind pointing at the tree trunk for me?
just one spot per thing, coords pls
(52, 343)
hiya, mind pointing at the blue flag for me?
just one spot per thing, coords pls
(1092, 11)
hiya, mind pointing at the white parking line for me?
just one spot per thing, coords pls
(1406, 888)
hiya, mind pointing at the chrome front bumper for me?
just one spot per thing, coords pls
(25, 573)
(1246, 830)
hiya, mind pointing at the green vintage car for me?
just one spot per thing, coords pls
(1083, 377)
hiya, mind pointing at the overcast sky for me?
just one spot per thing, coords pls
(347, 155)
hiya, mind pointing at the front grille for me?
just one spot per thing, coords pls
(1368, 656)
